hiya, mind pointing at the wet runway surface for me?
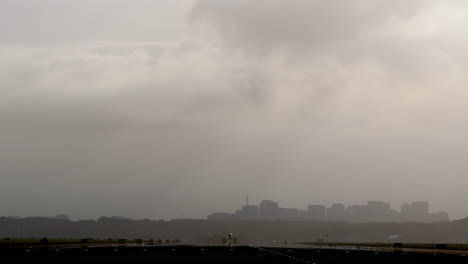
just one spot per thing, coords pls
(219, 254)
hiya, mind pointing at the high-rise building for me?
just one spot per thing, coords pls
(336, 212)
(379, 211)
(419, 211)
(268, 210)
(420, 207)
(374, 211)
(405, 209)
(358, 213)
(248, 212)
(316, 212)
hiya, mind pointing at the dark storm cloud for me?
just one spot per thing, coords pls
(303, 24)
(298, 101)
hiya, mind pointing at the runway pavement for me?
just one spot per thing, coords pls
(167, 253)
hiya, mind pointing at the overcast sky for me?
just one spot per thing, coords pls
(165, 109)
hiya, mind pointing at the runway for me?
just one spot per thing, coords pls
(220, 254)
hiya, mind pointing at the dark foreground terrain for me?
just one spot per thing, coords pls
(217, 254)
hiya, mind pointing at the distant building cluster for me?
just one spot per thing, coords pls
(374, 211)
(59, 217)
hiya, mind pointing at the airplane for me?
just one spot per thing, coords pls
(228, 240)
